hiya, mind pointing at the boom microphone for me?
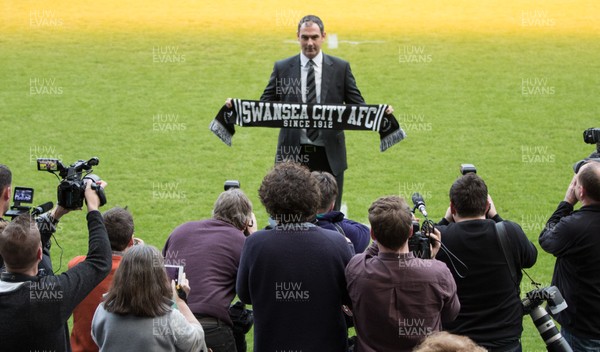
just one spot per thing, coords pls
(40, 209)
(419, 203)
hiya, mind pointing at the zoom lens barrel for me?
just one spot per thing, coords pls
(552, 337)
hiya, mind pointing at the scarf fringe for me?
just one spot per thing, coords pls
(220, 131)
(391, 139)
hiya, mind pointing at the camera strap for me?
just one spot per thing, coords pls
(339, 228)
(13, 277)
(508, 254)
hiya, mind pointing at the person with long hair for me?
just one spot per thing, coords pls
(137, 313)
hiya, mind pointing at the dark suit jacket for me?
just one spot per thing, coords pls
(337, 87)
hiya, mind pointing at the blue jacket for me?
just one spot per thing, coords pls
(358, 233)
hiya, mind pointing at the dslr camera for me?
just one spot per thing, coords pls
(420, 243)
(71, 189)
(467, 168)
(590, 136)
(553, 339)
(229, 184)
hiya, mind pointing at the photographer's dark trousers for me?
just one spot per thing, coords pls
(218, 335)
(580, 344)
(315, 158)
(240, 341)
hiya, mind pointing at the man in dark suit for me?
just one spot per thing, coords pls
(292, 81)
(335, 84)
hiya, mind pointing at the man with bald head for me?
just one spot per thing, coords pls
(573, 237)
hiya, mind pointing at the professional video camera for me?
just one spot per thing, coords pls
(420, 241)
(22, 198)
(555, 342)
(590, 136)
(71, 189)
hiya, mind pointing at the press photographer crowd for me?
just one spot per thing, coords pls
(306, 278)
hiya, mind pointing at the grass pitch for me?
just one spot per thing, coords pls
(508, 86)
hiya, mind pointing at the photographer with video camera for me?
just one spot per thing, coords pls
(397, 298)
(573, 237)
(46, 222)
(34, 309)
(491, 311)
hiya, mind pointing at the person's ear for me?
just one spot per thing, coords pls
(332, 206)
(373, 235)
(452, 208)
(6, 194)
(580, 192)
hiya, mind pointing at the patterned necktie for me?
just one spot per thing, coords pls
(311, 97)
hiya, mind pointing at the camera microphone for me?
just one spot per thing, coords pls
(419, 203)
(40, 209)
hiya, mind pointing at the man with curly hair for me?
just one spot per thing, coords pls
(293, 275)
